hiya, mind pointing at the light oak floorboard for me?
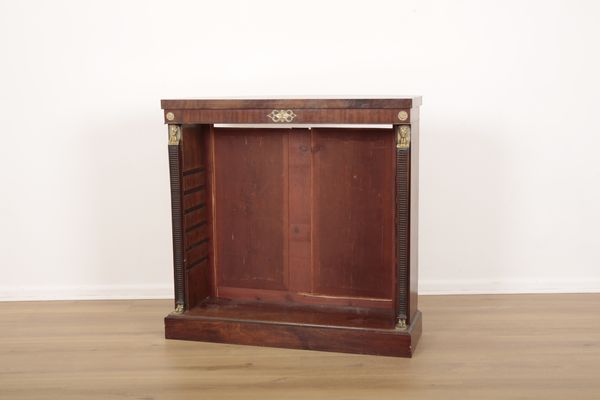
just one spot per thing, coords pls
(473, 347)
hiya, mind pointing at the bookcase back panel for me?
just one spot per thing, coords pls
(305, 215)
(353, 205)
(251, 207)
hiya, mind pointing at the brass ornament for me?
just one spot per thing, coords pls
(178, 309)
(174, 134)
(402, 115)
(170, 116)
(401, 324)
(282, 115)
(403, 137)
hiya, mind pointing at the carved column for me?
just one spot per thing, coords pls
(177, 214)
(402, 224)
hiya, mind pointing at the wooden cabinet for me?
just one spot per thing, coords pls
(295, 223)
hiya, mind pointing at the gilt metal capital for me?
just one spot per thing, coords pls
(174, 134)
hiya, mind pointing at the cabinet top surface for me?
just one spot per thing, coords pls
(355, 102)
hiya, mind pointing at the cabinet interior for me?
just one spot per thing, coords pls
(298, 221)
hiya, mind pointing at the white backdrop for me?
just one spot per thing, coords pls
(510, 172)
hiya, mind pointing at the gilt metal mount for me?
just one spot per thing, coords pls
(401, 324)
(282, 115)
(403, 137)
(174, 134)
(402, 115)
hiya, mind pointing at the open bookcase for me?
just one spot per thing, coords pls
(295, 223)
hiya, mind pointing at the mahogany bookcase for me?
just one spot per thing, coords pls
(295, 222)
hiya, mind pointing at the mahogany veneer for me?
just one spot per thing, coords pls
(295, 236)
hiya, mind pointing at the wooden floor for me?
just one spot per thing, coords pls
(473, 347)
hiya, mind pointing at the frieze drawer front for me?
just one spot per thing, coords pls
(294, 223)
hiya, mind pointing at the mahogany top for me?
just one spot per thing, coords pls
(391, 110)
(404, 102)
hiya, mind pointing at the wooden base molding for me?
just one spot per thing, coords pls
(349, 334)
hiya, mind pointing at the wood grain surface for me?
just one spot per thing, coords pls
(303, 116)
(358, 103)
(252, 207)
(353, 220)
(473, 347)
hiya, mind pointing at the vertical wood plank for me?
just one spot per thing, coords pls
(252, 207)
(211, 204)
(354, 191)
(300, 206)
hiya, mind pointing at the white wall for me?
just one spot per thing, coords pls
(510, 174)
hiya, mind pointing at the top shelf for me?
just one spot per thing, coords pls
(297, 103)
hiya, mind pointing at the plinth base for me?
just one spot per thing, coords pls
(346, 330)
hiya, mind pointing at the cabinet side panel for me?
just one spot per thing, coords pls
(195, 219)
(251, 199)
(353, 210)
